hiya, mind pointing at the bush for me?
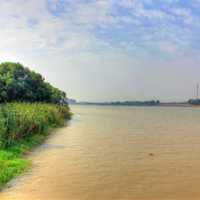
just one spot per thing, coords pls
(22, 120)
(23, 126)
(19, 83)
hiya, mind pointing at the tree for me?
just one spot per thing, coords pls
(18, 83)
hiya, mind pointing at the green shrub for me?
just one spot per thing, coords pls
(21, 120)
(22, 126)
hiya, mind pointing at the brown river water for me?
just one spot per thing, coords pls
(122, 153)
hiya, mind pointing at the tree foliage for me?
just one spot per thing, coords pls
(18, 83)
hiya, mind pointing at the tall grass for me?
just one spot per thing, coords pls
(22, 126)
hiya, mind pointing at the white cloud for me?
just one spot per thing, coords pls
(75, 28)
(74, 35)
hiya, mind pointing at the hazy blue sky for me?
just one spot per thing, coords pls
(107, 49)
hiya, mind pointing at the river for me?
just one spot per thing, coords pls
(116, 153)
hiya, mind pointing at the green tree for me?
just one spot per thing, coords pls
(18, 83)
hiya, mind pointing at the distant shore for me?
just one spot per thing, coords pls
(154, 102)
(143, 105)
(177, 105)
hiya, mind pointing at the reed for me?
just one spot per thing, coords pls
(22, 126)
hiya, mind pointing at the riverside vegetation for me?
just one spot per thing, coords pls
(29, 108)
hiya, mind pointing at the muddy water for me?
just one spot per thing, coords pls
(122, 153)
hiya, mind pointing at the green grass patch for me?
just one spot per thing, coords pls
(10, 166)
(22, 127)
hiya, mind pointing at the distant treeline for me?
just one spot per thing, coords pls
(194, 101)
(19, 83)
(121, 103)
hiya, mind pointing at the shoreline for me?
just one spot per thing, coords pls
(28, 134)
(159, 105)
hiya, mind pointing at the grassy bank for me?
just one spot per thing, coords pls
(23, 126)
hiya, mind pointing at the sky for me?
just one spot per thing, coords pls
(106, 50)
